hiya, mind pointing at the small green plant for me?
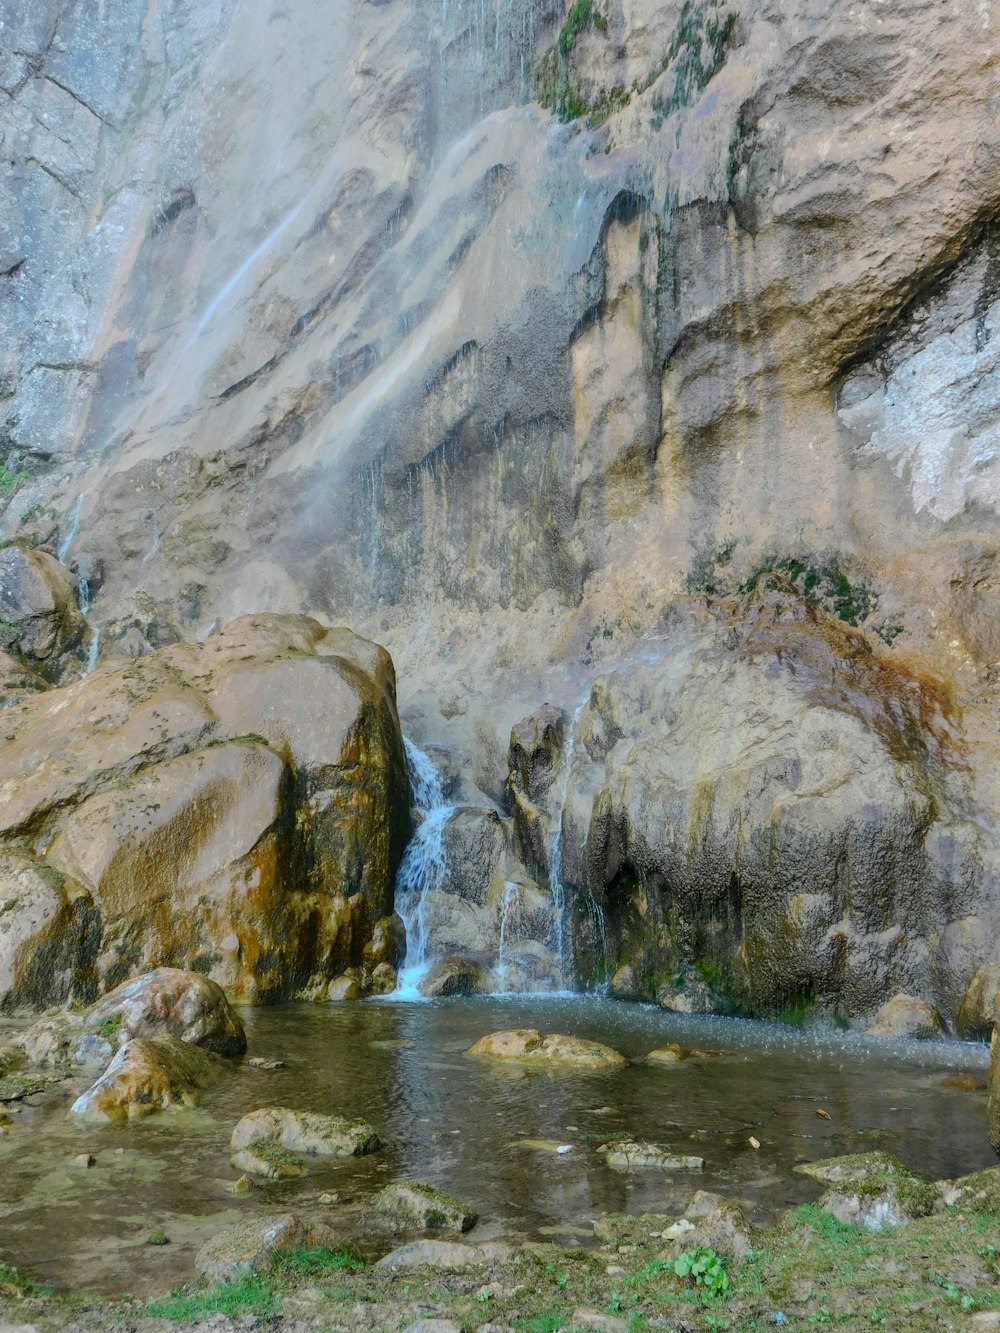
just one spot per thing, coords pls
(108, 1027)
(308, 1261)
(251, 1294)
(705, 1268)
(541, 1323)
(582, 14)
(10, 1277)
(157, 1238)
(9, 481)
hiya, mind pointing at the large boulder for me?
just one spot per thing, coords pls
(39, 614)
(906, 1016)
(170, 1002)
(980, 1005)
(149, 1075)
(235, 807)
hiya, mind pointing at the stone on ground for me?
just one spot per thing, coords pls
(251, 1245)
(874, 1190)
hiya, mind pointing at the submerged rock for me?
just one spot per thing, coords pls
(171, 1002)
(530, 1047)
(344, 988)
(410, 1205)
(296, 1132)
(251, 1245)
(874, 1190)
(643, 1156)
(149, 1075)
(906, 1016)
(980, 1007)
(669, 1055)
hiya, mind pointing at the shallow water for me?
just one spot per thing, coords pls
(460, 1124)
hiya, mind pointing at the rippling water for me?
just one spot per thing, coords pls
(460, 1124)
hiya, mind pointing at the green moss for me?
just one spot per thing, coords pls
(275, 1155)
(108, 1027)
(696, 53)
(581, 15)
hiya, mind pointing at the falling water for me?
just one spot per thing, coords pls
(74, 527)
(422, 868)
(510, 910)
(94, 646)
(556, 848)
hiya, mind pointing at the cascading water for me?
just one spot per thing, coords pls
(556, 849)
(510, 910)
(72, 529)
(422, 868)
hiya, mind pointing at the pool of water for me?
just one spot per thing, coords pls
(462, 1124)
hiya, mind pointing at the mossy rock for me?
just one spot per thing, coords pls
(269, 1159)
(874, 1190)
(299, 1132)
(410, 1205)
(975, 1193)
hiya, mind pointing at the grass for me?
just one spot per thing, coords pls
(318, 1262)
(252, 1294)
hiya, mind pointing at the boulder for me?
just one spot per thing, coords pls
(410, 1205)
(906, 1016)
(691, 994)
(235, 807)
(149, 1075)
(632, 1156)
(556, 1050)
(344, 988)
(455, 976)
(252, 1245)
(667, 1056)
(874, 1190)
(268, 1142)
(716, 1223)
(65, 1041)
(38, 605)
(171, 1002)
(975, 1193)
(980, 1005)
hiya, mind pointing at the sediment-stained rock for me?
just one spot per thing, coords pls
(149, 1075)
(236, 807)
(171, 1002)
(554, 1051)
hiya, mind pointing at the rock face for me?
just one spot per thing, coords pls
(236, 808)
(464, 318)
(769, 811)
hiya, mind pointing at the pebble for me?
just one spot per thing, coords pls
(85, 1159)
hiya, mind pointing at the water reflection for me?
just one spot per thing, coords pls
(461, 1124)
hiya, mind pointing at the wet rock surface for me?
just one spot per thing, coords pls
(410, 1205)
(237, 807)
(169, 1001)
(146, 1076)
(528, 1046)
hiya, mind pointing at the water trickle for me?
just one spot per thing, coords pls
(93, 647)
(73, 529)
(510, 914)
(556, 848)
(422, 868)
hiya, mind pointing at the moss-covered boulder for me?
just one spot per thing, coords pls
(975, 1193)
(410, 1205)
(149, 1075)
(271, 1141)
(874, 1190)
(555, 1051)
(171, 1002)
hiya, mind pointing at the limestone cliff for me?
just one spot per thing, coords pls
(498, 328)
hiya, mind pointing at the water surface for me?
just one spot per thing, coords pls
(461, 1124)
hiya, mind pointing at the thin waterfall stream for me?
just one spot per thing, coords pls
(422, 868)
(556, 887)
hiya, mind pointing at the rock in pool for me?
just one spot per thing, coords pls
(906, 1016)
(530, 1047)
(410, 1205)
(266, 1142)
(169, 1002)
(149, 1075)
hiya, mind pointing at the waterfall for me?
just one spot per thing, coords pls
(422, 868)
(556, 848)
(510, 905)
(74, 527)
(94, 646)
